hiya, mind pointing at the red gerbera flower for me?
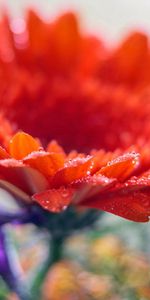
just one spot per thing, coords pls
(58, 83)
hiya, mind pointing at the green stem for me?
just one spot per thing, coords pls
(56, 249)
(55, 255)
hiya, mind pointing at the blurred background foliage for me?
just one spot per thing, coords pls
(110, 262)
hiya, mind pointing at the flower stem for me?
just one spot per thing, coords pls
(55, 254)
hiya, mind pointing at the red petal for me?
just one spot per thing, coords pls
(3, 153)
(46, 163)
(22, 144)
(55, 200)
(66, 41)
(38, 35)
(20, 195)
(130, 200)
(90, 186)
(135, 207)
(128, 59)
(139, 182)
(21, 176)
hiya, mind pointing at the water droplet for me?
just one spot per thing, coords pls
(64, 194)
(64, 207)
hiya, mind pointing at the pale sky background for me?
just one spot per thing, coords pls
(110, 18)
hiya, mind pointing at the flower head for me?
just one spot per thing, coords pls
(106, 181)
(58, 83)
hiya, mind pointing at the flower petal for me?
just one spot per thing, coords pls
(74, 170)
(23, 177)
(90, 186)
(121, 167)
(130, 200)
(128, 59)
(46, 163)
(22, 144)
(132, 207)
(55, 200)
(53, 146)
(3, 153)
(66, 41)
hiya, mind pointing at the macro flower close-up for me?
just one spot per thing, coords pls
(66, 87)
(74, 130)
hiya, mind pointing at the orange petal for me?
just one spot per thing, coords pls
(54, 200)
(46, 163)
(53, 146)
(121, 167)
(22, 144)
(74, 170)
